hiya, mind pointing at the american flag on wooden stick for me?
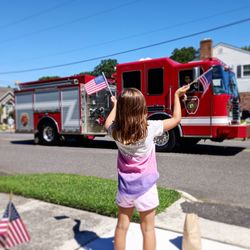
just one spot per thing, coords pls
(12, 229)
(95, 85)
(205, 79)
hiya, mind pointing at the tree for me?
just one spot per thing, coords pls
(184, 54)
(48, 77)
(246, 48)
(107, 66)
(86, 73)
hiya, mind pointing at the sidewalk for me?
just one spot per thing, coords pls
(54, 227)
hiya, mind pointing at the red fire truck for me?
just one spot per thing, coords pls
(55, 108)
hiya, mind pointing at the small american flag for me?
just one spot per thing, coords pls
(12, 229)
(205, 79)
(95, 85)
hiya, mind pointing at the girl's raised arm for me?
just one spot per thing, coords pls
(111, 116)
(176, 118)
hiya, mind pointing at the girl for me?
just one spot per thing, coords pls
(136, 163)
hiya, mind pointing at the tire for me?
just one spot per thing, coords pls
(166, 142)
(48, 134)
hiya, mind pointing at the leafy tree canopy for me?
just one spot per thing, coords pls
(48, 77)
(184, 54)
(85, 73)
(107, 66)
(246, 48)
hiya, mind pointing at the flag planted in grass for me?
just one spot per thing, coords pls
(12, 229)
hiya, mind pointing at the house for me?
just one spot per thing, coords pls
(6, 103)
(239, 60)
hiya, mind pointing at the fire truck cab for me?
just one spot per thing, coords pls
(214, 114)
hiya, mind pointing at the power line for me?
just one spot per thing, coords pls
(69, 22)
(140, 34)
(39, 13)
(130, 50)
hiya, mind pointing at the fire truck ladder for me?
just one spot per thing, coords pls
(41, 85)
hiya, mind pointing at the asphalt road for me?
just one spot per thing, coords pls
(216, 173)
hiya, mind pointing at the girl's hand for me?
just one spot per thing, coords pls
(182, 90)
(113, 100)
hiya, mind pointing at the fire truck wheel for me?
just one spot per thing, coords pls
(166, 142)
(48, 134)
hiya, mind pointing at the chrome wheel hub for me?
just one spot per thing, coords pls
(48, 134)
(162, 139)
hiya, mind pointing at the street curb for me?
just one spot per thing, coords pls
(173, 220)
(188, 196)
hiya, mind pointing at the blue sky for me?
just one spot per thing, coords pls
(37, 34)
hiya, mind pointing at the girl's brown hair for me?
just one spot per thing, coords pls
(131, 117)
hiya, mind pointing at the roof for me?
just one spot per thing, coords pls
(232, 47)
(4, 92)
(149, 60)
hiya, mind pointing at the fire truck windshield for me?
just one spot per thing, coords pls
(224, 82)
(233, 86)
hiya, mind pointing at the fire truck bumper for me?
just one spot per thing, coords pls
(234, 131)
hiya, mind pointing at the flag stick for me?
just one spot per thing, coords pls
(107, 83)
(193, 81)
(10, 196)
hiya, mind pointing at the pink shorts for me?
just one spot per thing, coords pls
(143, 203)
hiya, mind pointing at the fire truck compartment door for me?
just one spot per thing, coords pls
(95, 109)
(24, 112)
(46, 101)
(70, 110)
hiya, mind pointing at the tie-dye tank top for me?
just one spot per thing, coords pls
(136, 163)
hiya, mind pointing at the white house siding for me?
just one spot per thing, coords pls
(234, 57)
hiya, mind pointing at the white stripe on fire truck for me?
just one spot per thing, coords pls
(38, 105)
(23, 106)
(41, 105)
(71, 104)
(205, 121)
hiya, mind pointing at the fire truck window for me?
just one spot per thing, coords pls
(155, 81)
(220, 80)
(186, 77)
(132, 79)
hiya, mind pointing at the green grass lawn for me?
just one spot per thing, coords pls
(82, 192)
